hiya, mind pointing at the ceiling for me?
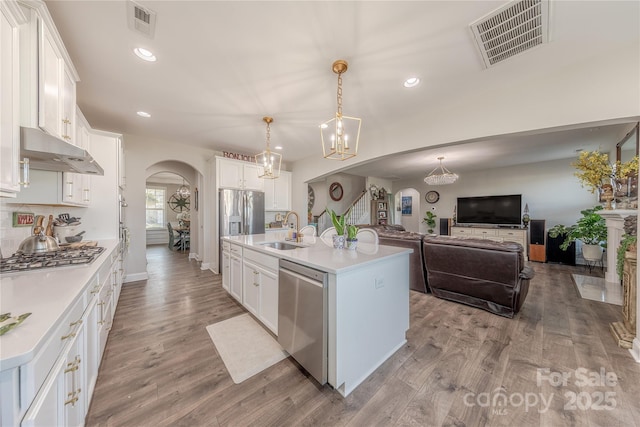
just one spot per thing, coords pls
(223, 65)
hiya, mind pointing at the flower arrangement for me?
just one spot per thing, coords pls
(594, 169)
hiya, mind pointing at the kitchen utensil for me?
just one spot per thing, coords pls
(38, 243)
(38, 224)
(76, 238)
(49, 230)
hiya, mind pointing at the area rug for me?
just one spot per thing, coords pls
(244, 346)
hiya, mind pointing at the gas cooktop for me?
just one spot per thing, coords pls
(59, 258)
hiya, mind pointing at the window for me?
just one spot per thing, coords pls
(156, 214)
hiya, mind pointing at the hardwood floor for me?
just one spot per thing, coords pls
(461, 366)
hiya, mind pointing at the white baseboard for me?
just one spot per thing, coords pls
(635, 351)
(205, 266)
(136, 277)
(193, 255)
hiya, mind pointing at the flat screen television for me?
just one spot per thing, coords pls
(494, 210)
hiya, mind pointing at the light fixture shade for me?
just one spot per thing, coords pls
(441, 175)
(183, 191)
(268, 162)
(340, 137)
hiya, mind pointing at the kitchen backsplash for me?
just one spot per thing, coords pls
(11, 237)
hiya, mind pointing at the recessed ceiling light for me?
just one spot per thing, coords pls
(145, 54)
(278, 147)
(324, 126)
(143, 114)
(411, 82)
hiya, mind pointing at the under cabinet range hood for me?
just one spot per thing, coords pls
(47, 152)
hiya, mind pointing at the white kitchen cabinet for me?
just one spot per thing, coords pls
(226, 266)
(277, 192)
(76, 189)
(50, 69)
(260, 287)
(238, 174)
(235, 281)
(68, 107)
(10, 101)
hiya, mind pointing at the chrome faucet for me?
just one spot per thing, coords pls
(286, 221)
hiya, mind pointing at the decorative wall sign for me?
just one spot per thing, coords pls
(23, 219)
(407, 205)
(237, 156)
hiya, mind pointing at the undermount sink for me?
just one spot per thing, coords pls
(283, 246)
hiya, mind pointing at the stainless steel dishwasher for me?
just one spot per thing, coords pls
(302, 316)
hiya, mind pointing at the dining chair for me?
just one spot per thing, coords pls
(331, 231)
(367, 235)
(172, 236)
(308, 230)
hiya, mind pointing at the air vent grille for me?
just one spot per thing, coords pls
(141, 19)
(512, 29)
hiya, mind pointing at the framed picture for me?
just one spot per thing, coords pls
(382, 206)
(407, 202)
(23, 219)
(382, 214)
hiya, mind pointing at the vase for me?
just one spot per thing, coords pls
(352, 244)
(338, 241)
(591, 252)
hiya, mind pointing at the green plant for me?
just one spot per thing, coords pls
(339, 222)
(591, 229)
(430, 220)
(352, 232)
(593, 168)
(627, 241)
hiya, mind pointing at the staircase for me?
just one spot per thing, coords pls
(360, 213)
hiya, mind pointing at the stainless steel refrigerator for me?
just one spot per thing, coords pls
(241, 212)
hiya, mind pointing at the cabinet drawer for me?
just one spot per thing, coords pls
(485, 232)
(33, 374)
(236, 249)
(268, 261)
(511, 234)
(455, 231)
(226, 246)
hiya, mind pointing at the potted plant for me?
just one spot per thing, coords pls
(594, 169)
(591, 230)
(339, 223)
(352, 236)
(628, 243)
(430, 220)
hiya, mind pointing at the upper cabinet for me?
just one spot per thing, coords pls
(277, 192)
(238, 174)
(10, 19)
(48, 85)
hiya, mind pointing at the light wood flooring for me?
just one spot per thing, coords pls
(458, 367)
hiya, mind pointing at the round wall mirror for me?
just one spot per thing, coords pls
(335, 191)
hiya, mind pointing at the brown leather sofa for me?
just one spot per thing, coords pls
(480, 273)
(395, 235)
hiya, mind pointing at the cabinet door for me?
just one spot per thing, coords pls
(49, 85)
(229, 173)
(74, 397)
(226, 272)
(236, 278)
(47, 408)
(251, 288)
(92, 339)
(68, 108)
(269, 299)
(250, 177)
(9, 105)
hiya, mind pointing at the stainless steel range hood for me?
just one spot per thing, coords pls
(47, 152)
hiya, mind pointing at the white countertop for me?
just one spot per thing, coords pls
(318, 253)
(47, 294)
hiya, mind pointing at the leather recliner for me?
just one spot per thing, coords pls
(480, 273)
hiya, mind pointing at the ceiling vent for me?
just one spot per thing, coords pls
(141, 19)
(512, 29)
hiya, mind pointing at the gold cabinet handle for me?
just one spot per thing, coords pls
(25, 172)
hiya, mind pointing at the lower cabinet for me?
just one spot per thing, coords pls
(235, 278)
(260, 287)
(226, 266)
(65, 395)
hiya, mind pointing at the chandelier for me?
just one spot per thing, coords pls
(340, 135)
(268, 162)
(183, 191)
(441, 177)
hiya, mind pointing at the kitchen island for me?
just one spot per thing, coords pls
(367, 300)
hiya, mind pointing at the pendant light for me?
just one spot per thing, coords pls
(183, 191)
(340, 135)
(443, 177)
(268, 162)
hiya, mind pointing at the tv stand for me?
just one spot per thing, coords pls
(498, 234)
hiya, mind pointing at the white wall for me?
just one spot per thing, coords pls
(141, 154)
(550, 189)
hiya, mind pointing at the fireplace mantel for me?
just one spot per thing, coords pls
(615, 229)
